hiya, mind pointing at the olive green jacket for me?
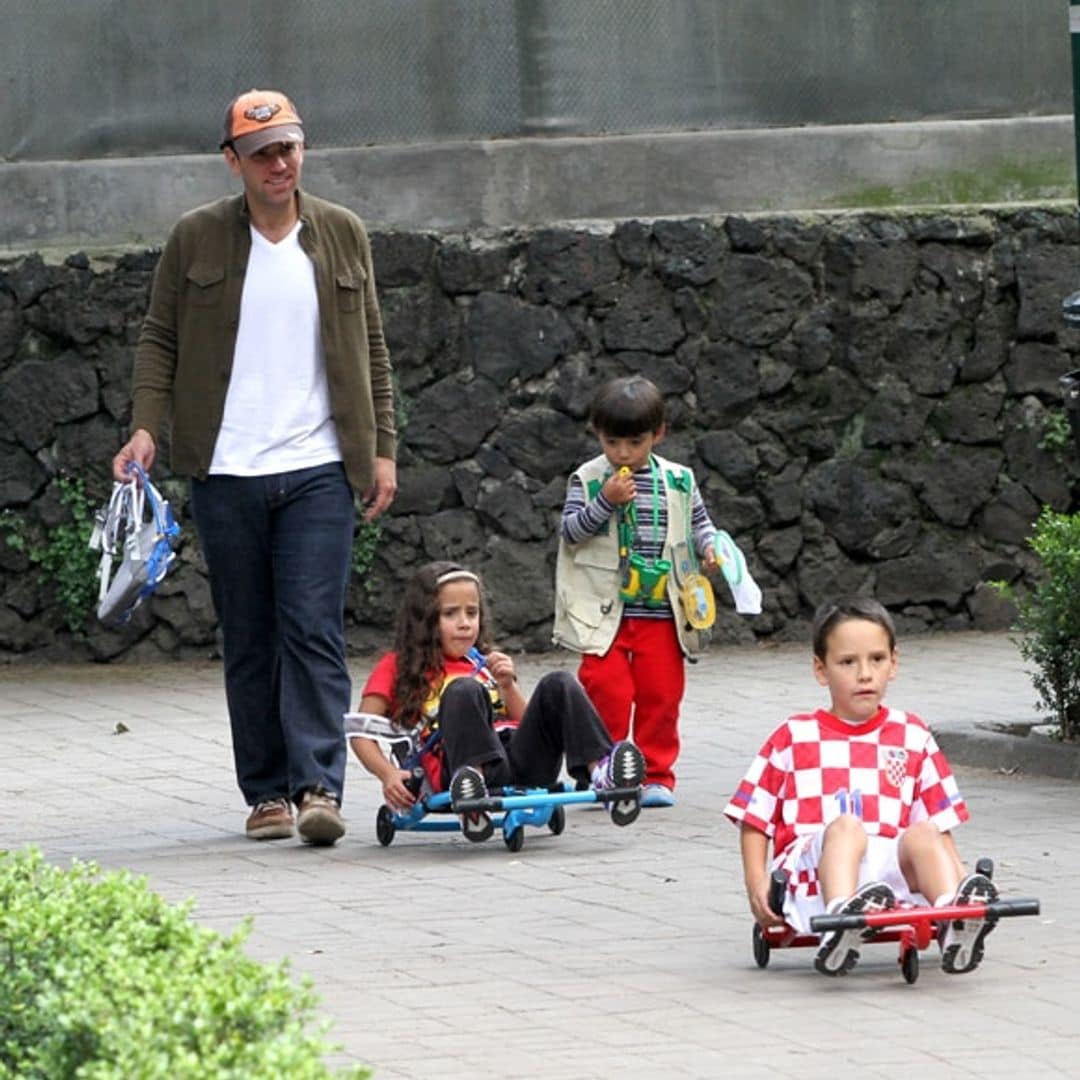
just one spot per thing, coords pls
(183, 360)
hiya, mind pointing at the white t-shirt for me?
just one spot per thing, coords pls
(277, 409)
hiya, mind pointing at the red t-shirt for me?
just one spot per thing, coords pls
(384, 675)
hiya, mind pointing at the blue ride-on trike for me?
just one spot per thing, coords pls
(512, 809)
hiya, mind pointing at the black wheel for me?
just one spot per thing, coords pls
(515, 840)
(384, 826)
(909, 965)
(761, 947)
(985, 866)
(558, 820)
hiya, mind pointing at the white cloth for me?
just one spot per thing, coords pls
(880, 863)
(745, 591)
(277, 409)
(747, 595)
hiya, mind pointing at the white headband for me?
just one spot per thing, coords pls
(456, 575)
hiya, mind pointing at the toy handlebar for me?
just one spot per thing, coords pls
(415, 781)
(383, 730)
(373, 726)
(995, 909)
(777, 888)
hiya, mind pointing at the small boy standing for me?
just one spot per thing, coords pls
(858, 801)
(634, 531)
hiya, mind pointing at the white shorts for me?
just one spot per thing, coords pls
(803, 899)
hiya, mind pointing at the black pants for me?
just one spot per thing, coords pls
(559, 720)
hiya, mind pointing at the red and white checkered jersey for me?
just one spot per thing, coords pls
(888, 771)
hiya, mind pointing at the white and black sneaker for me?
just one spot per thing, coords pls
(961, 940)
(467, 785)
(622, 769)
(838, 952)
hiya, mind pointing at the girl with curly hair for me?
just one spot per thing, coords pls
(444, 675)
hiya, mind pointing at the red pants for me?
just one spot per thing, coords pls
(642, 673)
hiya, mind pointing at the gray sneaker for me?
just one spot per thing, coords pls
(623, 769)
(319, 822)
(961, 940)
(466, 785)
(838, 952)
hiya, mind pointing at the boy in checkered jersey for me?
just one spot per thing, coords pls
(858, 801)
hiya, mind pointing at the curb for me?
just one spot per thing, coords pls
(1032, 753)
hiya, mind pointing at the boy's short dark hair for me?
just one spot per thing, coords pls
(833, 612)
(631, 405)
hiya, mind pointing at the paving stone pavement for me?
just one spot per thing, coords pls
(602, 952)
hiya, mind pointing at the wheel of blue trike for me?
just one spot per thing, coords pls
(557, 821)
(515, 839)
(384, 826)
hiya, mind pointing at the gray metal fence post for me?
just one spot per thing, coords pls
(1070, 381)
(1071, 304)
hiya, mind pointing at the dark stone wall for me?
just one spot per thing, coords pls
(862, 396)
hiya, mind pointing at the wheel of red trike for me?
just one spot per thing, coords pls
(909, 964)
(761, 947)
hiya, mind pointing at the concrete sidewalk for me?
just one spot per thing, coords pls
(602, 952)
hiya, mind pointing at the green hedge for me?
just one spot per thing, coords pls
(100, 977)
(1049, 619)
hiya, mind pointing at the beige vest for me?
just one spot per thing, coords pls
(588, 609)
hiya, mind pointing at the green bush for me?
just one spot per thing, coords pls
(1057, 436)
(1049, 619)
(104, 979)
(365, 545)
(62, 553)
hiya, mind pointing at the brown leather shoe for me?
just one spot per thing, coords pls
(270, 820)
(319, 821)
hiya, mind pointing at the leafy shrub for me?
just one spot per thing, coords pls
(1049, 619)
(104, 979)
(65, 557)
(365, 545)
(1057, 436)
(62, 554)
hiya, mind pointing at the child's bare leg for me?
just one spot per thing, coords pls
(842, 849)
(843, 846)
(929, 862)
(961, 869)
(931, 865)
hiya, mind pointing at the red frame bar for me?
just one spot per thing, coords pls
(914, 916)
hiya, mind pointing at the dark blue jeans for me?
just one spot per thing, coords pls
(279, 550)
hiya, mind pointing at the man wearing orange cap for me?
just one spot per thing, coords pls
(263, 343)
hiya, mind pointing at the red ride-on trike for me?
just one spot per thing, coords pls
(913, 928)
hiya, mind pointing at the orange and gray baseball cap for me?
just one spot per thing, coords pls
(259, 118)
